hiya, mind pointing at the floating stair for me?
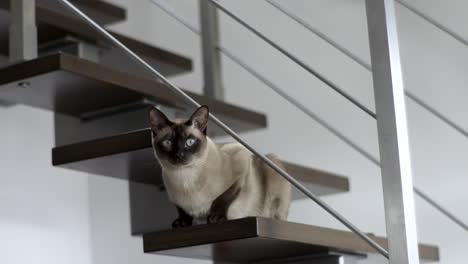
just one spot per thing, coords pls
(69, 85)
(102, 12)
(55, 23)
(130, 156)
(259, 239)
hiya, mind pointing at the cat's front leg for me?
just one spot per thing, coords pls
(216, 217)
(183, 220)
(220, 206)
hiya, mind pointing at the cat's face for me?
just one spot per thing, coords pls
(179, 142)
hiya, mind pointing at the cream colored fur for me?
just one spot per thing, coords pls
(194, 186)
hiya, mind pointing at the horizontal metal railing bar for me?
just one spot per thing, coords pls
(366, 65)
(320, 34)
(408, 94)
(294, 59)
(433, 22)
(166, 8)
(431, 110)
(228, 130)
(441, 209)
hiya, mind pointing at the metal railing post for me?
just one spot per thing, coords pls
(389, 95)
(213, 86)
(23, 32)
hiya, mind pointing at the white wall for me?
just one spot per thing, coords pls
(44, 211)
(111, 226)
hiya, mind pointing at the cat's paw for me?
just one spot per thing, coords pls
(180, 222)
(216, 218)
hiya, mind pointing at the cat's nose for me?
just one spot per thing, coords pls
(180, 155)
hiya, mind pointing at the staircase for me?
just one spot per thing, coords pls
(100, 99)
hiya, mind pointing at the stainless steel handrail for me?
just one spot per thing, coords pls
(227, 129)
(407, 93)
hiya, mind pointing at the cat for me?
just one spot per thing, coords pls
(210, 182)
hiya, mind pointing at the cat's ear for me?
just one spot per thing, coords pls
(157, 120)
(199, 118)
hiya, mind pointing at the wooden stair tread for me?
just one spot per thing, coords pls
(254, 239)
(55, 24)
(330, 182)
(73, 86)
(102, 12)
(130, 156)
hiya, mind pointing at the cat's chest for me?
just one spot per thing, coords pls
(195, 204)
(188, 192)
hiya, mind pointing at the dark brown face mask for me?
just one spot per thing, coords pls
(180, 141)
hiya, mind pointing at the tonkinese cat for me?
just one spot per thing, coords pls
(210, 182)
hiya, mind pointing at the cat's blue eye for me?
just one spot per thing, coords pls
(190, 142)
(166, 143)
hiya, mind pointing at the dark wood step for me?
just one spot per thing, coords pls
(102, 12)
(73, 86)
(55, 24)
(318, 181)
(254, 239)
(130, 156)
